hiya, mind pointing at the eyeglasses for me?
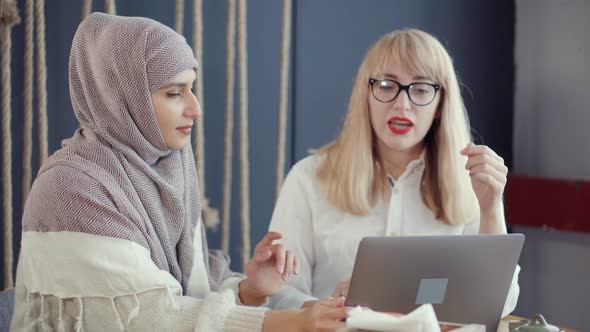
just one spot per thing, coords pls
(386, 90)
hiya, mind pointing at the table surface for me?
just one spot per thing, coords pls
(503, 327)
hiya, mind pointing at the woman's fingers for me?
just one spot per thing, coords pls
(279, 253)
(488, 170)
(331, 317)
(327, 314)
(285, 260)
(488, 180)
(473, 149)
(262, 254)
(268, 239)
(342, 288)
(485, 159)
(262, 251)
(288, 264)
(336, 312)
(332, 301)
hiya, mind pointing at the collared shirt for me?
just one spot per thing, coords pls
(325, 238)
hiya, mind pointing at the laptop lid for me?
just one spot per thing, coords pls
(465, 277)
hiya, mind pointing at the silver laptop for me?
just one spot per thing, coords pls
(465, 277)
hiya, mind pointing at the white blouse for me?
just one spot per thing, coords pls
(325, 239)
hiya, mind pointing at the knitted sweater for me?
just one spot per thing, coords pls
(112, 237)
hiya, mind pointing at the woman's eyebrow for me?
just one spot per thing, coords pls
(417, 77)
(176, 85)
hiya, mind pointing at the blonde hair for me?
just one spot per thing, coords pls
(352, 173)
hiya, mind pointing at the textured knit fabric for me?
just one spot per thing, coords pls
(113, 285)
(116, 184)
(326, 239)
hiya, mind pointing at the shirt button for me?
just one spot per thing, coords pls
(395, 190)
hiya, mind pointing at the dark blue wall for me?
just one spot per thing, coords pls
(332, 38)
(329, 41)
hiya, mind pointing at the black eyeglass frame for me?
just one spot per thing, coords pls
(401, 87)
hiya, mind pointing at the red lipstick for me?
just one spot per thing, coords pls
(400, 125)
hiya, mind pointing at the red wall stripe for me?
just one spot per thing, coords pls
(559, 204)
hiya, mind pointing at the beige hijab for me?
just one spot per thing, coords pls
(115, 64)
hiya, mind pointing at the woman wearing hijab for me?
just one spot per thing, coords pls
(112, 236)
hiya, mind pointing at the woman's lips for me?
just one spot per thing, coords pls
(185, 130)
(399, 125)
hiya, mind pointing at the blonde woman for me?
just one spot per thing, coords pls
(403, 164)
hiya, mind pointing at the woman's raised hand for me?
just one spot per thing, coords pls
(269, 267)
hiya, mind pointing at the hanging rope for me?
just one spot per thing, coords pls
(8, 18)
(28, 106)
(244, 167)
(210, 215)
(179, 16)
(41, 78)
(283, 96)
(197, 45)
(86, 8)
(110, 7)
(229, 120)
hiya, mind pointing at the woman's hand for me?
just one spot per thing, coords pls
(325, 315)
(328, 314)
(488, 176)
(488, 179)
(269, 267)
(342, 288)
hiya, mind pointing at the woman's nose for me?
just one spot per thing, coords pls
(402, 101)
(193, 109)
